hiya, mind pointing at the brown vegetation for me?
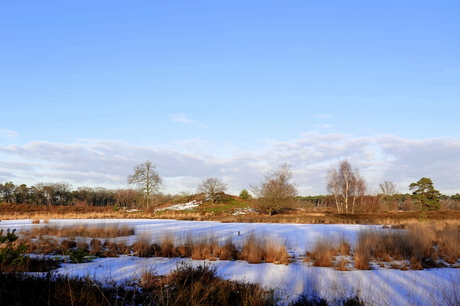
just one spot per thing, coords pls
(312, 215)
(257, 249)
(81, 230)
(185, 286)
(323, 252)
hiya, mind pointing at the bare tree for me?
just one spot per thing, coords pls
(46, 193)
(147, 179)
(126, 197)
(212, 186)
(277, 191)
(7, 191)
(62, 193)
(386, 192)
(346, 185)
(186, 195)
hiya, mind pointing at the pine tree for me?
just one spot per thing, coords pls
(424, 194)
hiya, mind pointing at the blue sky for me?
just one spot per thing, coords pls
(232, 90)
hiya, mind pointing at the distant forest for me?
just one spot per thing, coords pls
(63, 194)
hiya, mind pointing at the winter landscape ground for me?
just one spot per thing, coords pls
(378, 286)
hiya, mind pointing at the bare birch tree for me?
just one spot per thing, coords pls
(277, 191)
(346, 185)
(147, 179)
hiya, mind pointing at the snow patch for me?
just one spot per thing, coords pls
(182, 206)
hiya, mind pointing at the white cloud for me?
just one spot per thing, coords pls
(311, 155)
(181, 118)
(8, 133)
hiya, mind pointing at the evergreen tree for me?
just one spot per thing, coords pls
(424, 194)
(244, 195)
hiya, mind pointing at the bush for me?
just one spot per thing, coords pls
(201, 286)
(185, 286)
(11, 257)
(14, 259)
(79, 255)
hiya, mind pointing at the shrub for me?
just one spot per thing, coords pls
(79, 255)
(11, 257)
(185, 286)
(309, 300)
(200, 286)
(14, 259)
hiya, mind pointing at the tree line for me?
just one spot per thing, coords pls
(62, 194)
(347, 193)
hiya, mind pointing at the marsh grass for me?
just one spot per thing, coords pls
(253, 250)
(81, 230)
(323, 252)
(204, 247)
(228, 250)
(366, 241)
(276, 252)
(422, 244)
(258, 249)
(166, 245)
(142, 247)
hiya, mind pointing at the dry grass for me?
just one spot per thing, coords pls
(96, 247)
(258, 249)
(323, 252)
(185, 286)
(254, 250)
(344, 248)
(166, 246)
(143, 246)
(123, 248)
(341, 265)
(44, 245)
(200, 286)
(81, 230)
(68, 244)
(448, 241)
(228, 251)
(423, 244)
(276, 253)
(204, 247)
(415, 264)
(367, 240)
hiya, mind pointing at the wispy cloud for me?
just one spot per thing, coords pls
(311, 155)
(8, 133)
(181, 118)
(324, 126)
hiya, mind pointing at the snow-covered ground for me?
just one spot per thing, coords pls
(379, 286)
(183, 206)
